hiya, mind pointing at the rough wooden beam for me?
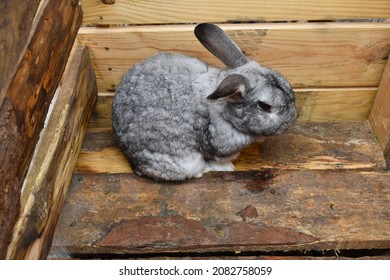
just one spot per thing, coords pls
(15, 24)
(49, 176)
(380, 114)
(24, 108)
(236, 211)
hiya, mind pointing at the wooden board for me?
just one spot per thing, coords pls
(15, 25)
(314, 105)
(182, 11)
(237, 211)
(24, 108)
(331, 146)
(380, 114)
(48, 178)
(308, 54)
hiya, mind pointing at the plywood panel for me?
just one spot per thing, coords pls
(182, 11)
(309, 55)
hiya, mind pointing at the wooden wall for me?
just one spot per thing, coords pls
(38, 37)
(335, 67)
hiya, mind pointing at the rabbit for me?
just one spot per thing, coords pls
(176, 117)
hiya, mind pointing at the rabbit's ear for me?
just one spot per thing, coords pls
(231, 89)
(219, 44)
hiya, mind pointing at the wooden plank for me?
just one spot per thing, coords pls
(332, 104)
(380, 114)
(15, 26)
(26, 102)
(318, 146)
(313, 105)
(181, 11)
(308, 54)
(52, 167)
(227, 211)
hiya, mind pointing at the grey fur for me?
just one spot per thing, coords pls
(170, 130)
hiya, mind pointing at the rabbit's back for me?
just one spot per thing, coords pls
(159, 108)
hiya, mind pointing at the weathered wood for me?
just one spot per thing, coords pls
(123, 213)
(48, 178)
(319, 146)
(27, 99)
(182, 11)
(308, 54)
(380, 114)
(15, 25)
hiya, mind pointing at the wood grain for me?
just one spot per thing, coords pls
(295, 210)
(380, 114)
(27, 100)
(15, 25)
(332, 104)
(308, 54)
(48, 178)
(312, 146)
(182, 11)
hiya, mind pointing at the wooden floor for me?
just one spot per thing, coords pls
(320, 186)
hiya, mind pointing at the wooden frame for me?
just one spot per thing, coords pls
(321, 186)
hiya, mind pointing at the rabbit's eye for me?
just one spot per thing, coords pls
(264, 106)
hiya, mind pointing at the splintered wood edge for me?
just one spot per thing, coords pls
(227, 211)
(51, 170)
(380, 114)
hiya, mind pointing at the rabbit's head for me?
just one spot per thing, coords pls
(257, 100)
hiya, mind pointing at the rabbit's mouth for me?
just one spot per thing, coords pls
(284, 126)
(281, 128)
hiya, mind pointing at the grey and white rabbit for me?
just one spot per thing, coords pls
(175, 117)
